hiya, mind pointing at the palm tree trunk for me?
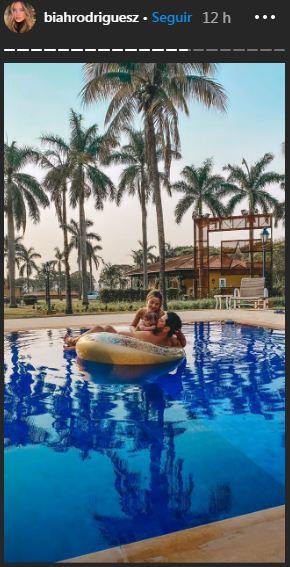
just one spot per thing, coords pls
(11, 251)
(27, 278)
(154, 176)
(91, 274)
(68, 308)
(59, 280)
(83, 249)
(201, 259)
(144, 232)
(80, 277)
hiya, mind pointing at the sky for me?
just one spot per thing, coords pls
(38, 97)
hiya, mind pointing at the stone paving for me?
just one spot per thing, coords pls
(266, 318)
(253, 538)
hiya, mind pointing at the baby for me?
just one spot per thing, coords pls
(148, 322)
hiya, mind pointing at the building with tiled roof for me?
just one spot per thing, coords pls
(180, 273)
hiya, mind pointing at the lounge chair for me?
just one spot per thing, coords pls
(251, 292)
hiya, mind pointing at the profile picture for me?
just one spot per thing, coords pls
(19, 17)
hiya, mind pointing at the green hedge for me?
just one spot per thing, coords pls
(119, 295)
(113, 295)
(30, 299)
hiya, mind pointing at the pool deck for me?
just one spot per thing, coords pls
(253, 538)
(264, 318)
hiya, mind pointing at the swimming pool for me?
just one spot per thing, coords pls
(94, 459)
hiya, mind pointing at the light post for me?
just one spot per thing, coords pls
(264, 238)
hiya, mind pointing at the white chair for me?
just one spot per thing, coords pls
(251, 292)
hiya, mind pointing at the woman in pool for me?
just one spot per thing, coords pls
(165, 334)
(19, 17)
(153, 305)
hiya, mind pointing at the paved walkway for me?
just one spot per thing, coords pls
(265, 318)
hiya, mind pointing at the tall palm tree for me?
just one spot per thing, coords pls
(56, 161)
(22, 194)
(138, 255)
(86, 179)
(75, 242)
(134, 180)
(250, 183)
(59, 256)
(27, 264)
(157, 91)
(93, 258)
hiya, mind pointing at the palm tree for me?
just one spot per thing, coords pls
(250, 183)
(134, 180)
(169, 250)
(86, 179)
(110, 274)
(56, 161)
(156, 90)
(75, 242)
(138, 256)
(279, 210)
(47, 271)
(22, 194)
(27, 258)
(200, 188)
(18, 249)
(59, 255)
(93, 258)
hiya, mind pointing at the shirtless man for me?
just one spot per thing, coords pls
(163, 335)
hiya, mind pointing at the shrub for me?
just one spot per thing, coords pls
(131, 295)
(277, 301)
(115, 295)
(173, 293)
(206, 303)
(30, 299)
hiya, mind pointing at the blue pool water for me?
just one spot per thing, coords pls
(96, 458)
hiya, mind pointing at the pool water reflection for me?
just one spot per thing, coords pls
(95, 459)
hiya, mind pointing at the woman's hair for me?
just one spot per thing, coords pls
(27, 24)
(174, 322)
(154, 293)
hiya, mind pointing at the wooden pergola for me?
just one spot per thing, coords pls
(252, 247)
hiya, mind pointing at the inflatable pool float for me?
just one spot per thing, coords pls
(110, 348)
(99, 373)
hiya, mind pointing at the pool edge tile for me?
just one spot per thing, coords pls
(258, 537)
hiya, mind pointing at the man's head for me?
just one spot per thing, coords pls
(169, 323)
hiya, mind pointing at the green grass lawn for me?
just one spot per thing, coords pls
(117, 307)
